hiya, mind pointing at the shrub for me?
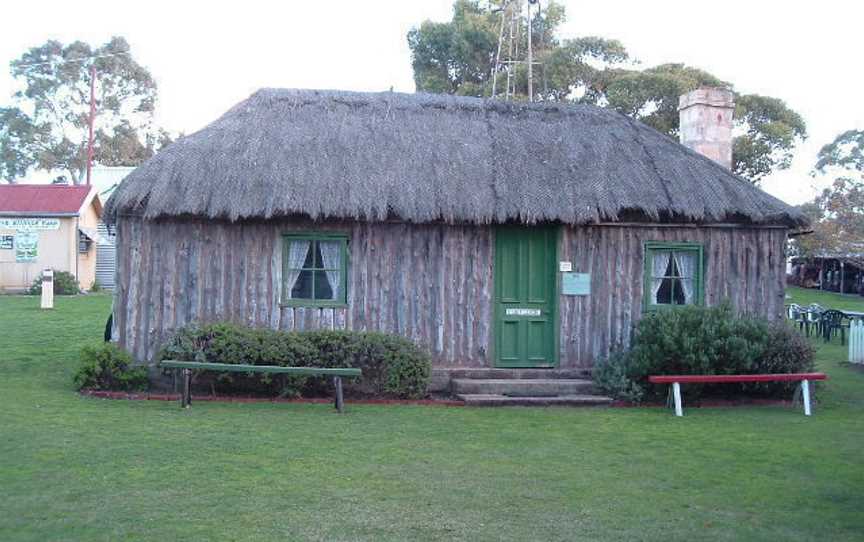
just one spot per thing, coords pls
(392, 365)
(64, 284)
(107, 367)
(699, 340)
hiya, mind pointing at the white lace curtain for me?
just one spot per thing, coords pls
(659, 265)
(297, 253)
(331, 254)
(686, 263)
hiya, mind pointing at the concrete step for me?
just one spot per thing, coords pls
(491, 399)
(486, 373)
(522, 387)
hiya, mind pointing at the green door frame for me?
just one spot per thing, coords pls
(555, 282)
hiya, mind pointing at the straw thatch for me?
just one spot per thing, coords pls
(423, 158)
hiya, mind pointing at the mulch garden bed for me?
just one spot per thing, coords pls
(440, 401)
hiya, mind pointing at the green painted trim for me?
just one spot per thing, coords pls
(650, 246)
(315, 236)
(236, 368)
(556, 306)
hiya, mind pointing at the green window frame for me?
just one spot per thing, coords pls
(317, 267)
(682, 277)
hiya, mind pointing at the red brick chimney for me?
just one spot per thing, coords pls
(706, 123)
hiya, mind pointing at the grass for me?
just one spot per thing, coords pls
(75, 468)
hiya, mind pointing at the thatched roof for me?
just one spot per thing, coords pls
(423, 158)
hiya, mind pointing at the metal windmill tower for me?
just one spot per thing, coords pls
(508, 56)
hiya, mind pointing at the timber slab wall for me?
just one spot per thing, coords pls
(430, 282)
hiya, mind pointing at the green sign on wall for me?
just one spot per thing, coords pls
(576, 283)
(26, 246)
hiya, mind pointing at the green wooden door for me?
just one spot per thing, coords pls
(525, 296)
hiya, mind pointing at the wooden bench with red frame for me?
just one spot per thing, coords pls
(677, 380)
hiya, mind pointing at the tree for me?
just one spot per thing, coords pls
(837, 214)
(48, 127)
(458, 57)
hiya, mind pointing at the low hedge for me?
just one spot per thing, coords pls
(65, 283)
(392, 366)
(107, 367)
(704, 341)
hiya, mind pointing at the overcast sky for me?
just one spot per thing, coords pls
(207, 56)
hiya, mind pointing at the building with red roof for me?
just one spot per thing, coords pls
(47, 226)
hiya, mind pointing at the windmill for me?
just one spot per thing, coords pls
(508, 57)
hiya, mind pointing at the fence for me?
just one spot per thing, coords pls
(856, 341)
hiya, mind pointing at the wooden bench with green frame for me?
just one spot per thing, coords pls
(188, 366)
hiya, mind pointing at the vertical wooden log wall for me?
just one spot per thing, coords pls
(746, 266)
(432, 283)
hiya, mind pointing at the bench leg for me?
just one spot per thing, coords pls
(337, 383)
(676, 393)
(186, 395)
(805, 395)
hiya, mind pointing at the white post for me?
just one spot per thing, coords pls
(47, 289)
(676, 393)
(805, 393)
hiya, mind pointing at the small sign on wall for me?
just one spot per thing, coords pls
(576, 283)
(565, 267)
(6, 242)
(29, 224)
(26, 246)
(522, 312)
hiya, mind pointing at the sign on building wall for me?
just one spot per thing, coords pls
(576, 283)
(6, 242)
(29, 224)
(26, 246)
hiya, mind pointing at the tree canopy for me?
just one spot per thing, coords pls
(837, 214)
(458, 57)
(47, 125)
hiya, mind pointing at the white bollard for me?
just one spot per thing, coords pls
(48, 289)
(805, 395)
(676, 393)
(856, 341)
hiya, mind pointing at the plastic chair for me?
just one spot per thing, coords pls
(832, 322)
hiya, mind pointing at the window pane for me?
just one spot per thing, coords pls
(323, 289)
(316, 251)
(664, 294)
(678, 293)
(688, 291)
(330, 255)
(303, 286)
(298, 254)
(685, 263)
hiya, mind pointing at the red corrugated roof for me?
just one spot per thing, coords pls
(42, 199)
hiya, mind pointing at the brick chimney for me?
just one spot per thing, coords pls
(706, 123)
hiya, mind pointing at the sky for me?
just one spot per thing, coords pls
(206, 57)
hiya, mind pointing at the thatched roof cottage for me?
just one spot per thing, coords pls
(495, 234)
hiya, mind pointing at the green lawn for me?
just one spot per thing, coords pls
(75, 468)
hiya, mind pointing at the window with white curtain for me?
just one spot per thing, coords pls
(673, 274)
(314, 269)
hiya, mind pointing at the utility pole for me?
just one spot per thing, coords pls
(91, 120)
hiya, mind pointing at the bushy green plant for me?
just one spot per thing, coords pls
(392, 366)
(64, 284)
(704, 341)
(107, 367)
